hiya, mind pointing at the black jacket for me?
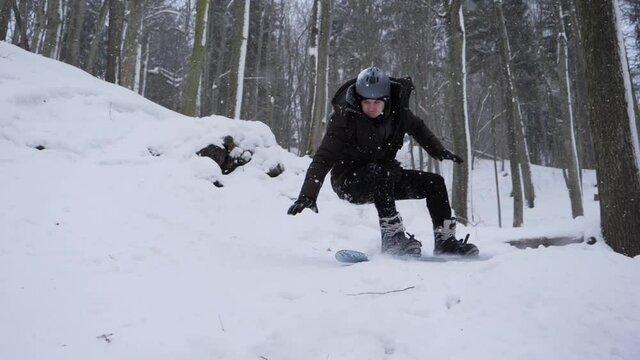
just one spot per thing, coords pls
(353, 140)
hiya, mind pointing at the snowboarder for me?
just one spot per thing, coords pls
(370, 118)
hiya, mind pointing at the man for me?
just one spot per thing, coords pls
(370, 118)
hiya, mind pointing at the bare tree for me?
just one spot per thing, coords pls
(132, 51)
(72, 43)
(97, 37)
(238, 59)
(612, 118)
(319, 87)
(458, 115)
(196, 64)
(116, 19)
(570, 152)
(53, 29)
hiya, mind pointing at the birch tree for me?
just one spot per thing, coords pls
(238, 59)
(196, 64)
(132, 51)
(53, 29)
(613, 124)
(319, 107)
(510, 113)
(522, 155)
(572, 169)
(458, 115)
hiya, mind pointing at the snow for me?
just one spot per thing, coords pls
(110, 252)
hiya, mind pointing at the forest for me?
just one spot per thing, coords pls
(520, 80)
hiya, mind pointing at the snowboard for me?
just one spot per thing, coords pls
(353, 257)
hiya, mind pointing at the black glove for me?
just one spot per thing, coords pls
(302, 203)
(448, 155)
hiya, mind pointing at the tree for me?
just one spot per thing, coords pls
(612, 120)
(457, 108)
(5, 16)
(320, 51)
(519, 127)
(116, 18)
(72, 43)
(132, 51)
(570, 152)
(96, 41)
(53, 29)
(196, 64)
(238, 59)
(511, 111)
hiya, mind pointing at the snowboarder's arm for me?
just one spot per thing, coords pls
(326, 155)
(427, 139)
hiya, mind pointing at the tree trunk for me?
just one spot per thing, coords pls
(72, 53)
(510, 117)
(20, 37)
(518, 127)
(318, 121)
(41, 21)
(585, 144)
(495, 170)
(116, 18)
(237, 63)
(5, 15)
(458, 115)
(196, 64)
(97, 38)
(612, 120)
(312, 78)
(52, 33)
(131, 46)
(570, 152)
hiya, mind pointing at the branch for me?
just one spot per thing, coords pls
(382, 293)
(428, 4)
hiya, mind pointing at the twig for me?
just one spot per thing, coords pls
(221, 324)
(382, 293)
(105, 337)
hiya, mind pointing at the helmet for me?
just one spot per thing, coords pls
(373, 83)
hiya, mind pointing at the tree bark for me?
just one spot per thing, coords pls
(318, 120)
(612, 120)
(457, 104)
(97, 38)
(196, 64)
(570, 152)
(521, 142)
(41, 21)
(238, 57)
(131, 45)
(5, 15)
(72, 53)
(511, 111)
(116, 18)
(52, 33)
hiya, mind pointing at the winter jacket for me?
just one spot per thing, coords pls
(353, 140)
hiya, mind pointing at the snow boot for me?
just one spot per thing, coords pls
(395, 241)
(447, 244)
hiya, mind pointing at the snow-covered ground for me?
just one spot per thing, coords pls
(110, 252)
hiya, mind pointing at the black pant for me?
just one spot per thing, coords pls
(382, 185)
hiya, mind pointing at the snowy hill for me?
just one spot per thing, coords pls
(115, 244)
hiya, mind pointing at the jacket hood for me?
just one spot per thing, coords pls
(345, 100)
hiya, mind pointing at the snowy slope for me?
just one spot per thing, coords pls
(101, 240)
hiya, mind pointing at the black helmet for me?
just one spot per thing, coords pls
(373, 83)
